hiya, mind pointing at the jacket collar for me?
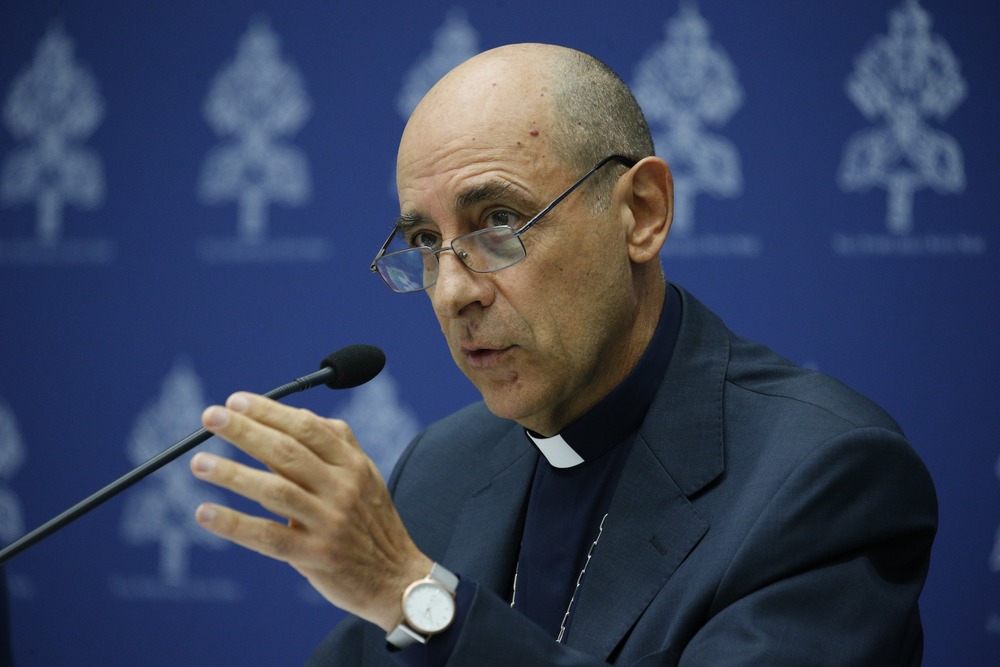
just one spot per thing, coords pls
(684, 425)
(652, 525)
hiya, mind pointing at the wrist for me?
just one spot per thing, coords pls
(391, 612)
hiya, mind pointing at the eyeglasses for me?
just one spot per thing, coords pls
(482, 251)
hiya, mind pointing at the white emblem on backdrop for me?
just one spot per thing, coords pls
(12, 455)
(52, 107)
(383, 425)
(685, 84)
(160, 509)
(900, 81)
(452, 44)
(381, 422)
(257, 100)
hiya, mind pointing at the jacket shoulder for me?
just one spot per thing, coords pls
(767, 378)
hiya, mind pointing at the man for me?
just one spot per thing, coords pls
(642, 487)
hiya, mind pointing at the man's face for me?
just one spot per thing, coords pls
(545, 339)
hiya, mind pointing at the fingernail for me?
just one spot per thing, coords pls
(215, 417)
(238, 403)
(203, 463)
(205, 514)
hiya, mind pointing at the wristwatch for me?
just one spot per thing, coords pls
(428, 608)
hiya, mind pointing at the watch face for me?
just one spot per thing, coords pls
(428, 607)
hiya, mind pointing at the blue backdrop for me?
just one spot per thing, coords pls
(191, 192)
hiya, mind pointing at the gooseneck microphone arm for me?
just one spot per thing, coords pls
(345, 368)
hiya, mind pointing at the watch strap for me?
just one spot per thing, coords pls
(403, 635)
(447, 578)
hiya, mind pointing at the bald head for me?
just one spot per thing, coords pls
(580, 109)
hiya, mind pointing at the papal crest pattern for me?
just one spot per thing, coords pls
(381, 421)
(256, 103)
(685, 84)
(213, 179)
(452, 44)
(53, 106)
(901, 81)
(160, 511)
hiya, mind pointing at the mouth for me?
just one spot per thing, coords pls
(486, 357)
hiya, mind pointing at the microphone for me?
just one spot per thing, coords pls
(346, 368)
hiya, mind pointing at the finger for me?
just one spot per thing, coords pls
(330, 439)
(272, 492)
(264, 536)
(279, 451)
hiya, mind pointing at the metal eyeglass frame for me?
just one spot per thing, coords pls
(628, 162)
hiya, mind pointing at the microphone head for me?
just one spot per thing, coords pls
(353, 365)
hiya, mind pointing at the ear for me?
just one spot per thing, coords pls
(649, 198)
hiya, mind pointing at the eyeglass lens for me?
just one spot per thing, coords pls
(483, 251)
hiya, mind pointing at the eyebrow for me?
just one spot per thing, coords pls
(491, 191)
(407, 221)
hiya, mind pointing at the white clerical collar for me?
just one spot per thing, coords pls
(556, 451)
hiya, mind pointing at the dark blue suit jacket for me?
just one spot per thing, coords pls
(767, 515)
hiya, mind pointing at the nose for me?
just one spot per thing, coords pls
(458, 287)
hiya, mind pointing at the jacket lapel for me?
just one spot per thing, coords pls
(652, 526)
(487, 535)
